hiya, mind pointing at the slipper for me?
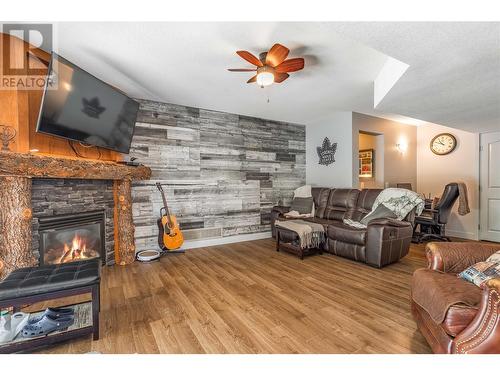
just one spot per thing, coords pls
(53, 312)
(47, 325)
(13, 325)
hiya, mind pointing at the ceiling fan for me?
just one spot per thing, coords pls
(271, 66)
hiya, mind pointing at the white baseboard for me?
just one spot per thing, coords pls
(460, 234)
(193, 244)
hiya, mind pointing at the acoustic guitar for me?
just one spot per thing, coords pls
(170, 237)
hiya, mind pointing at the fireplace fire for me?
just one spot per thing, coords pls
(69, 238)
(77, 250)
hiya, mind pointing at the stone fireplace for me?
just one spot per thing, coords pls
(18, 196)
(73, 237)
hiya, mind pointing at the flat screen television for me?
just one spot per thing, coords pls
(80, 107)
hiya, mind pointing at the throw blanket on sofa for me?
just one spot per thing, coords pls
(399, 201)
(310, 234)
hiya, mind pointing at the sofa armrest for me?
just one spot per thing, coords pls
(410, 218)
(454, 257)
(482, 335)
(387, 241)
(389, 222)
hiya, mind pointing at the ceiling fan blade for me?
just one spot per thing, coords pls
(291, 65)
(276, 55)
(241, 70)
(253, 79)
(250, 58)
(280, 77)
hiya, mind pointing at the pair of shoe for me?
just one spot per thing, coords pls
(11, 325)
(53, 319)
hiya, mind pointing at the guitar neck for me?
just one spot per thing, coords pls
(165, 202)
(166, 206)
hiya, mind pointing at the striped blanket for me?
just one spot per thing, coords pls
(310, 234)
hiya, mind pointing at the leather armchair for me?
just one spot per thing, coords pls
(483, 333)
(481, 330)
(454, 257)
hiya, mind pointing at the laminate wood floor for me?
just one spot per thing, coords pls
(248, 298)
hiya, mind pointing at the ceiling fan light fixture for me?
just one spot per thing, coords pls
(265, 76)
(265, 79)
(271, 66)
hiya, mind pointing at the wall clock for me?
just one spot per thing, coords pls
(443, 144)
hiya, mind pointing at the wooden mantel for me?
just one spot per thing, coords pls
(16, 172)
(47, 166)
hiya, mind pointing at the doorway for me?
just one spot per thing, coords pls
(370, 160)
(489, 228)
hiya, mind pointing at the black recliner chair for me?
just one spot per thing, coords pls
(433, 221)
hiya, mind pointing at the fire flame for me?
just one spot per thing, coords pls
(77, 250)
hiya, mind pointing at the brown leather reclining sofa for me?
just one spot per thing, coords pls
(456, 316)
(384, 241)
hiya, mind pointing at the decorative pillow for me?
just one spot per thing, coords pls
(302, 205)
(380, 212)
(304, 192)
(481, 272)
(494, 258)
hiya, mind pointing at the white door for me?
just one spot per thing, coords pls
(490, 187)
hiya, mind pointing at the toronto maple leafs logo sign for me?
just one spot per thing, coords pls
(326, 152)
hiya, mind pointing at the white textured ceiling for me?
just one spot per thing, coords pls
(186, 63)
(454, 73)
(453, 78)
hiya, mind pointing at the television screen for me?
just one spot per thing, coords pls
(78, 106)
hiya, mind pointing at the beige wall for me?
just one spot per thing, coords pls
(398, 167)
(426, 172)
(434, 172)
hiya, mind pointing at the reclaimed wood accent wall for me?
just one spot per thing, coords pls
(221, 172)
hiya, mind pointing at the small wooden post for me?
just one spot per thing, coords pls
(124, 224)
(15, 224)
